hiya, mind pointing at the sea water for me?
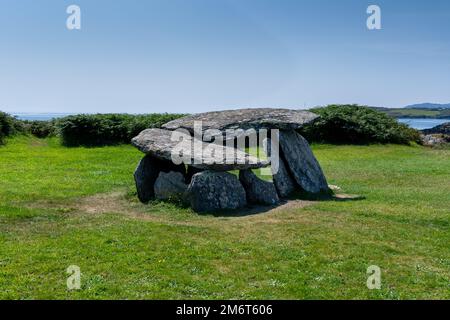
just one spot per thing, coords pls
(39, 116)
(423, 123)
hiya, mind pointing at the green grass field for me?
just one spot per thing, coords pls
(76, 206)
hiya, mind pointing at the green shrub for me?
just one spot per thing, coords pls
(6, 124)
(9, 126)
(355, 124)
(41, 129)
(107, 129)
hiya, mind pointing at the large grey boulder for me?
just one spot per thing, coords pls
(282, 179)
(302, 163)
(163, 144)
(257, 190)
(148, 171)
(170, 186)
(211, 191)
(266, 118)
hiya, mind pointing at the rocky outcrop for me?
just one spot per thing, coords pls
(437, 136)
(257, 190)
(211, 191)
(160, 144)
(441, 129)
(148, 171)
(434, 140)
(170, 186)
(302, 163)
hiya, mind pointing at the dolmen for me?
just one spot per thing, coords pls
(191, 159)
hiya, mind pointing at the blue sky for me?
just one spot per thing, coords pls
(143, 56)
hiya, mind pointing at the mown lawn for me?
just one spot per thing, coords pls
(75, 206)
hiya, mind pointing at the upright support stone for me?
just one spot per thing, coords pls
(170, 186)
(302, 163)
(145, 176)
(257, 190)
(147, 172)
(282, 180)
(211, 191)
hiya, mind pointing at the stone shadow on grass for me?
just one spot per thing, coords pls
(296, 202)
(249, 210)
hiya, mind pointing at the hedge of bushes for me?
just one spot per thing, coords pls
(9, 126)
(107, 129)
(41, 129)
(338, 124)
(353, 124)
(4, 126)
(84, 129)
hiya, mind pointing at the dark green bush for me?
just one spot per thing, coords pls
(5, 126)
(355, 124)
(107, 129)
(41, 129)
(9, 126)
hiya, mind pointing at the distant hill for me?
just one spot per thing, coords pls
(436, 106)
(442, 113)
